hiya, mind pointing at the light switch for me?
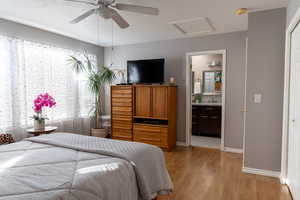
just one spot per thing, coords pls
(257, 98)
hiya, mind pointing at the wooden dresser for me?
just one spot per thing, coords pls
(144, 113)
(121, 112)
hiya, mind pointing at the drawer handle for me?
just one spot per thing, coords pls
(121, 119)
(122, 136)
(121, 123)
(214, 117)
(151, 140)
(204, 116)
(122, 127)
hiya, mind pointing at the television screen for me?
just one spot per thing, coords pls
(145, 71)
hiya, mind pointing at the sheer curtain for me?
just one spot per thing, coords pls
(28, 69)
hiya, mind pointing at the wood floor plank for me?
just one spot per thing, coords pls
(208, 174)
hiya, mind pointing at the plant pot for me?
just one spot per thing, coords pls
(99, 132)
(39, 125)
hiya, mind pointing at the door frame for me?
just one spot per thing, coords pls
(285, 123)
(189, 99)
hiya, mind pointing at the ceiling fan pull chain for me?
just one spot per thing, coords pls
(98, 29)
(112, 42)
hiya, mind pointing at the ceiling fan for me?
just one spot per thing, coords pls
(107, 10)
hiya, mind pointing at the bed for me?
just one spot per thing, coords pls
(64, 166)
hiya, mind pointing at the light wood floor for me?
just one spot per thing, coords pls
(208, 174)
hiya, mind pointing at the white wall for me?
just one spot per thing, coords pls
(265, 75)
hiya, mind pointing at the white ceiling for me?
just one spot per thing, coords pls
(54, 15)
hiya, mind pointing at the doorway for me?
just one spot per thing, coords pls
(290, 171)
(205, 97)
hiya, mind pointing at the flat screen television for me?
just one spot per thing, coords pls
(145, 71)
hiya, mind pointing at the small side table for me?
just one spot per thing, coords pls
(48, 129)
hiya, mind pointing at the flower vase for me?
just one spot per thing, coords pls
(39, 125)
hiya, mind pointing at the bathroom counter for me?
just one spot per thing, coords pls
(206, 104)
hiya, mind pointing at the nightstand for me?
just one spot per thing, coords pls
(48, 130)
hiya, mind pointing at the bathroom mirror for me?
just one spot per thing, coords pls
(212, 82)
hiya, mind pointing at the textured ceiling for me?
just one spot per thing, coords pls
(54, 15)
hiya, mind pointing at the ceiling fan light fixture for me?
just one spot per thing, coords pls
(241, 11)
(104, 12)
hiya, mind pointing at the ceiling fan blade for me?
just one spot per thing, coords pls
(137, 9)
(86, 2)
(83, 16)
(119, 19)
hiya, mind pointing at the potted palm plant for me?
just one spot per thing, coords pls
(97, 78)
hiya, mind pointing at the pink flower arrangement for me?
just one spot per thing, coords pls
(43, 100)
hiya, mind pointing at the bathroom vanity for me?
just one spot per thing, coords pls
(207, 119)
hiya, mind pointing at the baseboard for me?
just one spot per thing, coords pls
(283, 180)
(181, 144)
(233, 150)
(226, 149)
(262, 172)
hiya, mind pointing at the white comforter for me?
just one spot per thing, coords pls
(62, 166)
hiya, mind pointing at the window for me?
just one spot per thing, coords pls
(28, 69)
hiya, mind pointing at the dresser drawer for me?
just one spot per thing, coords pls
(122, 87)
(151, 128)
(209, 110)
(118, 124)
(154, 135)
(121, 92)
(121, 102)
(121, 134)
(123, 118)
(117, 110)
(121, 95)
